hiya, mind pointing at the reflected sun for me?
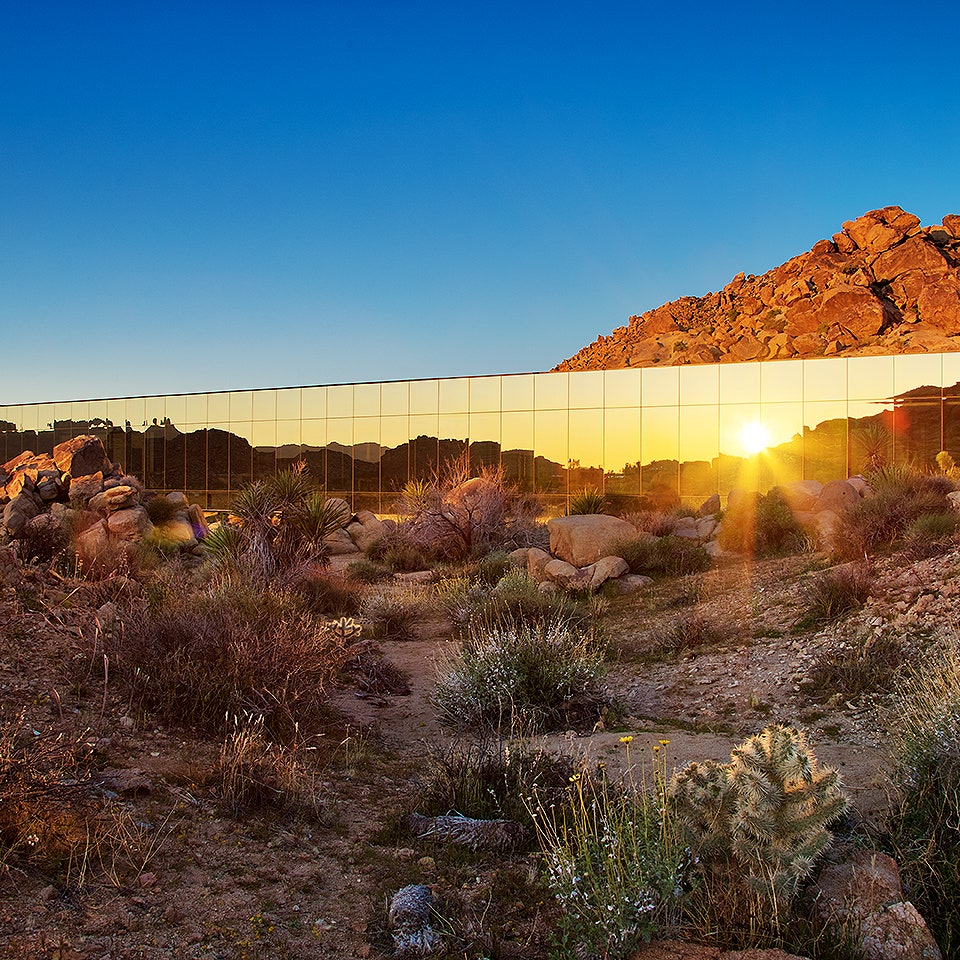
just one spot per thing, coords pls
(754, 437)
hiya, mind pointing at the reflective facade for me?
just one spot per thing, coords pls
(666, 433)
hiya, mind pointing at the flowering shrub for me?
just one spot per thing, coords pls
(535, 674)
(614, 861)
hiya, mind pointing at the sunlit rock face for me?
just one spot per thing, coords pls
(883, 284)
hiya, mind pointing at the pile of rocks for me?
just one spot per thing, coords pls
(582, 547)
(884, 284)
(78, 488)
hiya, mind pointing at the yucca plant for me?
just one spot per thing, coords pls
(587, 501)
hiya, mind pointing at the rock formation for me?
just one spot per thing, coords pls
(883, 284)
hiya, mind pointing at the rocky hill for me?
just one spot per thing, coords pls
(883, 284)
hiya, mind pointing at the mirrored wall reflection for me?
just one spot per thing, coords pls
(643, 436)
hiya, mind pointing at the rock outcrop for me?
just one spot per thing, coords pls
(883, 284)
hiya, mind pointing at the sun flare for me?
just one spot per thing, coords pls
(754, 437)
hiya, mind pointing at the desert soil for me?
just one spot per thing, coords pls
(198, 882)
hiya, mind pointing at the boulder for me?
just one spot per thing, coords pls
(607, 568)
(537, 559)
(706, 527)
(366, 529)
(566, 575)
(835, 496)
(198, 521)
(518, 558)
(864, 894)
(339, 543)
(864, 490)
(633, 581)
(340, 505)
(582, 540)
(686, 527)
(85, 488)
(801, 494)
(17, 512)
(115, 498)
(9, 567)
(710, 506)
(92, 540)
(176, 532)
(179, 499)
(129, 523)
(81, 456)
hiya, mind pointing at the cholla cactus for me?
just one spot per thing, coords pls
(767, 809)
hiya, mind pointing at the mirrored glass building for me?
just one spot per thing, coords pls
(668, 434)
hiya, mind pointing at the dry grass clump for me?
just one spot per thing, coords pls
(669, 556)
(393, 611)
(836, 592)
(49, 819)
(257, 774)
(762, 526)
(328, 594)
(691, 631)
(231, 648)
(863, 666)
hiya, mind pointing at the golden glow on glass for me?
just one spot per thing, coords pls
(754, 437)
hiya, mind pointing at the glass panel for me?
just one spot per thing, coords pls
(455, 396)
(366, 453)
(699, 432)
(174, 459)
(517, 430)
(242, 429)
(313, 403)
(97, 410)
(117, 412)
(781, 380)
(917, 438)
(586, 389)
(33, 416)
(951, 428)
(621, 441)
(265, 405)
(241, 460)
(484, 440)
(621, 388)
(153, 472)
(740, 383)
(741, 432)
(394, 466)
(195, 408)
(824, 441)
(288, 432)
(869, 378)
(241, 405)
(424, 450)
(175, 410)
(550, 435)
(218, 407)
(824, 379)
(699, 385)
(865, 409)
(911, 372)
(340, 401)
(155, 410)
(659, 433)
(395, 398)
(424, 396)
(313, 434)
(218, 459)
(871, 441)
(517, 392)
(196, 465)
(951, 373)
(586, 449)
(288, 404)
(660, 386)
(265, 434)
(366, 400)
(551, 391)
(453, 436)
(485, 394)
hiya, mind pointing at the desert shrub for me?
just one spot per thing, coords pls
(517, 599)
(328, 594)
(537, 674)
(836, 592)
(44, 540)
(393, 612)
(761, 526)
(487, 778)
(399, 552)
(923, 832)
(366, 571)
(587, 501)
(279, 529)
(654, 522)
(615, 861)
(255, 773)
(160, 509)
(493, 567)
(233, 648)
(901, 496)
(669, 556)
(760, 822)
(862, 666)
(930, 532)
(691, 631)
(455, 514)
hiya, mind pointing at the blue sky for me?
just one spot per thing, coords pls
(212, 196)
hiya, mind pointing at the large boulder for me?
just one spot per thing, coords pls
(114, 499)
(864, 895)
(583, 540)
(566, 575)
(835, 496)
(537, 560)
(81, 456)
(366, 529)
(84, 489)
(9, 567)
(130, 523)
(17, 512)
(607, 568)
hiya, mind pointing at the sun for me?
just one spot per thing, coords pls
(754, 437)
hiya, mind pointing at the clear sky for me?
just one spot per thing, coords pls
(202, 196)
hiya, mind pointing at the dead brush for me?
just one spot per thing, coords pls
(688, 632)
(50, 817)
(836, 592)
(256, 774)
